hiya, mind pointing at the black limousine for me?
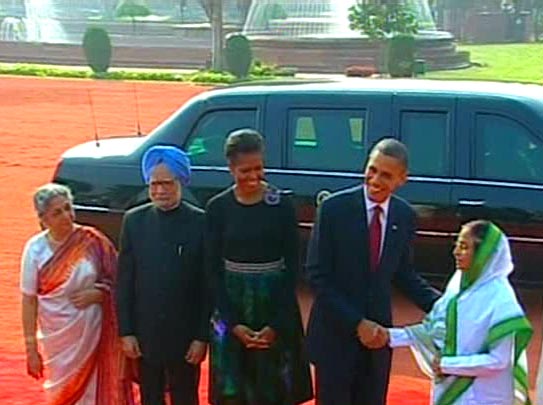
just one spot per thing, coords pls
(476, 151)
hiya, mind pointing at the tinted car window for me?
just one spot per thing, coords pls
(506, 150)
(205, 144)
(327, 139)
(426, 135)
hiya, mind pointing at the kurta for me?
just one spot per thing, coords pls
(161, 292)
(265, 232)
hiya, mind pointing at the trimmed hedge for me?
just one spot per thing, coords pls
(97, 47)
(239, 55)
(401, 55)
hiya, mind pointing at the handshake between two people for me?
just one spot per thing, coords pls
(375, 336)
(372, 335)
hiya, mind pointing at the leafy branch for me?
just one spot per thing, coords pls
(385, 20)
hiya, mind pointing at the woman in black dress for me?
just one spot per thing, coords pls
(253, 251)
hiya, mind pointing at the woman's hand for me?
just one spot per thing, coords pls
(265, 338)
(34, 364)
(196, 353)
(246, 335)
(83, 299)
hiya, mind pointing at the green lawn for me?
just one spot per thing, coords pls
(505, 62)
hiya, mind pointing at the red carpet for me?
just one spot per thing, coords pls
(39, 119)
(17, 389)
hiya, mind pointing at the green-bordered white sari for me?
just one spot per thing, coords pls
(479, 329)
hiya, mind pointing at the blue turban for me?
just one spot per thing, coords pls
(174, 158)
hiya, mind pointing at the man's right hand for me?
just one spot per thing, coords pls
(371, 334)
(131, 347)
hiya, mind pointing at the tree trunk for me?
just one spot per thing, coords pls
(217, 35)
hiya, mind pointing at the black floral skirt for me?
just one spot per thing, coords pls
(276, 376)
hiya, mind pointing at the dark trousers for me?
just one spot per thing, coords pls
(364, 384)
(180, 379)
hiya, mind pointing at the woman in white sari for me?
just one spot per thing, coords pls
(473, 342)
(67, 275)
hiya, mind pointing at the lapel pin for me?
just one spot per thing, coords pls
(394, 227)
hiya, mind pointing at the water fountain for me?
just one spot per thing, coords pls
(41, 22)
(12, 29)
(314, 35)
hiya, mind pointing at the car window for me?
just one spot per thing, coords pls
(327, 139)
(205, 144)
(426, 135)
(506, 150)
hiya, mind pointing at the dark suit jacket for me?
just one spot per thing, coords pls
(162, 297)
(345, 290)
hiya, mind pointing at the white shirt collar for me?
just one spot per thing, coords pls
(370, 205)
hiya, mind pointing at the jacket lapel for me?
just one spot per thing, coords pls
(391, 235)
(360, 230)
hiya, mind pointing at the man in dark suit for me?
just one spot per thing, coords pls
(162, 300)
(361, 244)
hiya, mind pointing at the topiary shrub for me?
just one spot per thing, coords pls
(401, 55)
(97, 47)
(239, 55)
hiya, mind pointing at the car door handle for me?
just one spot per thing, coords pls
(471, 203)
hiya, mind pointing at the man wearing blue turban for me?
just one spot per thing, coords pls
(177, 162)
(162, 300)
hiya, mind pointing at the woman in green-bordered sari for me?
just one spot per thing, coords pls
(473, 342)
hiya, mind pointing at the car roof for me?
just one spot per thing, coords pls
(395, 86)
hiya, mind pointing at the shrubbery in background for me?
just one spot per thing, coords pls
(239, 55)
(401, 55)
(97, 48)
(386, 22)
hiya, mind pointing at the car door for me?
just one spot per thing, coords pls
(205, 143)
(502, 177)
(325, 140)
(425, 123)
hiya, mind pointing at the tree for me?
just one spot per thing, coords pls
(133, 9)
(213, 9)
(393, 22)
(382, 20)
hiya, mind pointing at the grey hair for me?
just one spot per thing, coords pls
(392, 148)
(44, 195)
